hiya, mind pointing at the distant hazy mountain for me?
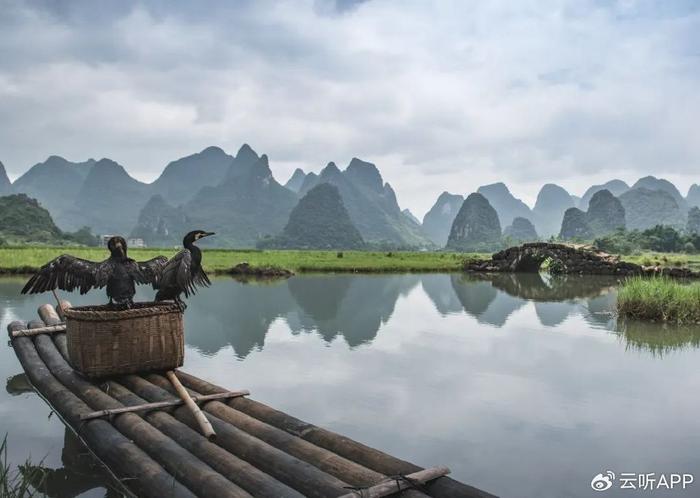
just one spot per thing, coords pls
(616, 188)
(161, 224)
(646, 208)
(605, 213)
(438, 221)
(319, 221)
(476, 227)
(246, 158)
(310, 181)
(182, 179)
(55, 183)
(548, 212)
(109, 200)
(370, 202)
(296, 181)
(653, 183)
(521, 230)
(246, 207)
(408, 214)
(575, 226)
(506, 205)
(5, 185)
(693, 224)
(693, 197)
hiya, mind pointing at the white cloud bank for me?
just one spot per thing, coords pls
(442, 95)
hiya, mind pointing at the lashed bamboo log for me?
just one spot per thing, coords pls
(49, 315)
(352, 450)
(204, 424)
(125, 459)
(161, 404)
(329, 462)
(394, 486)
(302, 476)
(183, 465)
(236, 470)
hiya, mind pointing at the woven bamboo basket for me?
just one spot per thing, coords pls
(103, 342)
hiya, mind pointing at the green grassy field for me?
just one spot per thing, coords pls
(665, 259)
(660, 299)
(29, 259)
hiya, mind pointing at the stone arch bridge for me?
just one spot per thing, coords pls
(563, 258)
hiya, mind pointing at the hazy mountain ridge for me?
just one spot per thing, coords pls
(548, 212)
(212, 188)
(183, 178)
(505, 203)
(476, 227)
(371, 203)
(318, 221)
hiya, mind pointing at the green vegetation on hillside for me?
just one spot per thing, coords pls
(659, 238)
(660, 299)
(24, 220)
(28, 259)
(319, 221)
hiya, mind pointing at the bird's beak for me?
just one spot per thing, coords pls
(207, 234)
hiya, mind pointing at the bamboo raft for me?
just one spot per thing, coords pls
(149, 439)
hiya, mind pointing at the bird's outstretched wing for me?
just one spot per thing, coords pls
(178, 273)
(149, 272)
(68, 273)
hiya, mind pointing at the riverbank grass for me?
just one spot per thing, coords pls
(18, 482)
(28, 259)
(659, 299)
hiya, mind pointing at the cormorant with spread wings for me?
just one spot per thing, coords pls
(118, 273)
(183, 273)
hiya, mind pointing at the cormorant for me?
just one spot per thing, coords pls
(183, 273)
(118, 273)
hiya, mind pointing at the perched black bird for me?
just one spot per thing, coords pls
(183, 273)
(118, 273)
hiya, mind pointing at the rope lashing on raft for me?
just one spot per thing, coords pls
(397, 478)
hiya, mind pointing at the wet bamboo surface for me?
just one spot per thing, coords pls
(258, 451)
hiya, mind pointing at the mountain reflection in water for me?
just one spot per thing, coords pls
(239, 314)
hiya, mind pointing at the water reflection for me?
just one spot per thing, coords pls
(240, 314)
(524, 385)
(79, 474)
(658, 339)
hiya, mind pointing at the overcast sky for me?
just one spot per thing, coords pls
(443, 95)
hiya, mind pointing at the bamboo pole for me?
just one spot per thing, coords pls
(295, 473)
(352, 450)
(161, 404)
(236, 470)
(126, 460)
(393, 486)
(180, 463)
(204, 424)
(50, 329)
(335, 465)
(59, 305)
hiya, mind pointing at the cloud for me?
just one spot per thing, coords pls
(441, 96)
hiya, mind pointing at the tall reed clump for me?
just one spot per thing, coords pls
(659, 299)
(20, 482)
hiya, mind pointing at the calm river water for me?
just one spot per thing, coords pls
(524, 386)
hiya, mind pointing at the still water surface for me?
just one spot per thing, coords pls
(524, 385)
